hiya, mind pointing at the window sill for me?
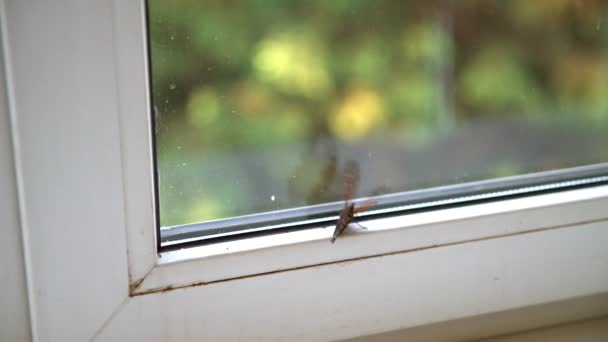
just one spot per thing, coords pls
(367, 296)
(427, 230)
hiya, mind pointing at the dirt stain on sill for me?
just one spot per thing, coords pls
(135, 293)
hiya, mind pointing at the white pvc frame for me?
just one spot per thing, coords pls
(77, 79)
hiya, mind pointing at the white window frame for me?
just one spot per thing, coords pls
(78, 97)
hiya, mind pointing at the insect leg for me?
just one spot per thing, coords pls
(360, 226)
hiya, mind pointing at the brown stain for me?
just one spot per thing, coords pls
(341, 263)
(351, 260)
(134, 285)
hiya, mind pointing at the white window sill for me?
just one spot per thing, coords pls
(379, 294)
(288, 251)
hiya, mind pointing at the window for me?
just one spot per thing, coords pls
(78, 115)
(262, 109)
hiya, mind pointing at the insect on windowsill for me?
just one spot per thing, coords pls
(347, 214)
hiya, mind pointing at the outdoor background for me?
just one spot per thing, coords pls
(260, 104)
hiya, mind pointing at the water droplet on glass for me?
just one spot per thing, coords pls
(172, 86)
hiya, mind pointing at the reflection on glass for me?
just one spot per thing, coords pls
(262, 104)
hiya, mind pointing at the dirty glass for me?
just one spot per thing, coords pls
(260, 105)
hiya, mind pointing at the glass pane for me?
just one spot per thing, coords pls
(262, 105)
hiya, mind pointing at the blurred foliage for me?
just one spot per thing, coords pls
(496, 79)
(232, 76)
